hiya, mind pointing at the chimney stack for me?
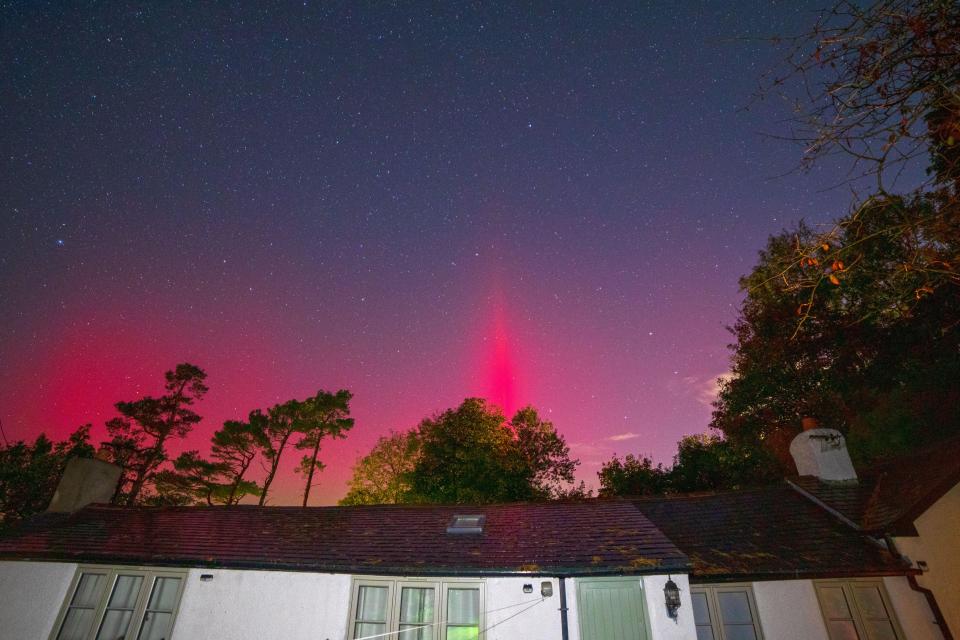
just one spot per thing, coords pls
(822, 453)
(85, 481)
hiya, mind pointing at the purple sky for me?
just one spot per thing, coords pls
(548, 206)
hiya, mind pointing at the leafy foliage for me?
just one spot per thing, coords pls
(383, 475)
(472, 455)
(859, 345)
(704, 462)
(29, 473)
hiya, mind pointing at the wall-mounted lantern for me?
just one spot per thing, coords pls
(671, 593)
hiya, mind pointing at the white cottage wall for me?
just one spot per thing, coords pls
(31, 594)
(513, 614)
(913, 612)
(242, 605)
(661, 624)
(789, 610)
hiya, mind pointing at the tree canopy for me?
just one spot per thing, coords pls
(467, 454)
(29, 473)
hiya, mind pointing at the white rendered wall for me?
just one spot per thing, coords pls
(31, 594)
(251, 605)
(789, 610)
(513, 614)
(913, 612)
(939, 546)
(662, 625)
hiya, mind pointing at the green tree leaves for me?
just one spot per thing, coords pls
(469, 454)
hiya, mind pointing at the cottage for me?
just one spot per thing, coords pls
(824, 556)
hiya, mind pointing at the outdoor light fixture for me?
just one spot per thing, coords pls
(206, 577)
(528, 588)
(546, 588)
(671, 593)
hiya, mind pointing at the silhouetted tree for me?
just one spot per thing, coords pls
(632, 476)
(143, 429)
(235, 446)
(324, 415)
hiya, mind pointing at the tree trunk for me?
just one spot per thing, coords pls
(313, 466)
(274, 465)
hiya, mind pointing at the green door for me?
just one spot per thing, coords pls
(611, 609)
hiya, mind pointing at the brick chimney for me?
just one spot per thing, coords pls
(85, 481)
(822, 453)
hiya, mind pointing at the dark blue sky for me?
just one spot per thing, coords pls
(545, 203)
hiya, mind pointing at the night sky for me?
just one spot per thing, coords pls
(418, 202)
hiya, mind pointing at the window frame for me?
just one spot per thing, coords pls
(395, 586)
(710, 591)
(847, 585)
(112, 572)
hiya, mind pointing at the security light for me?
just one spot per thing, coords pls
(671, 593)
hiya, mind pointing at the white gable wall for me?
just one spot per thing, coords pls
(31, 594)
(937, 545)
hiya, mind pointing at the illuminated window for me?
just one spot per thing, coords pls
(857, 610)
(116, 603)
(411, 609)
(725, 612)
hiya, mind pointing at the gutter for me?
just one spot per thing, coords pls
(927, 593)
(564, 631)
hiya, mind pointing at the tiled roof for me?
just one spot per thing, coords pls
(768, 532)
(563, 538)
(889, 496)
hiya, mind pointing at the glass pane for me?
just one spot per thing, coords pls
(416, 605)
(76, 624)
(701, 611)
(372, 604)
(367, 629)
(415, 632)
(156, 626)
(463, 633)
(734, 607)
(879, 630)
(842, 630)
(463, 607)
(834, 603)
(164, 596)
(739, 632)
(89, 590)
(704, 633)
(125, 592)
(115, 625)
(870, 602)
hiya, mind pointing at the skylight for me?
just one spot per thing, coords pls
(466, 524)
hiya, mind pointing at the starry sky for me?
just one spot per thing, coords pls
(540, 203)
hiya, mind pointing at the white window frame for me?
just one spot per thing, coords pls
(149, 575)
(847, 586)
(395, 586)
(710, 591)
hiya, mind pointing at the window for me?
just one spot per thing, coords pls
(408, 609)
(466, 524)
(857, 610)
(115, 603)
(725, 612)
